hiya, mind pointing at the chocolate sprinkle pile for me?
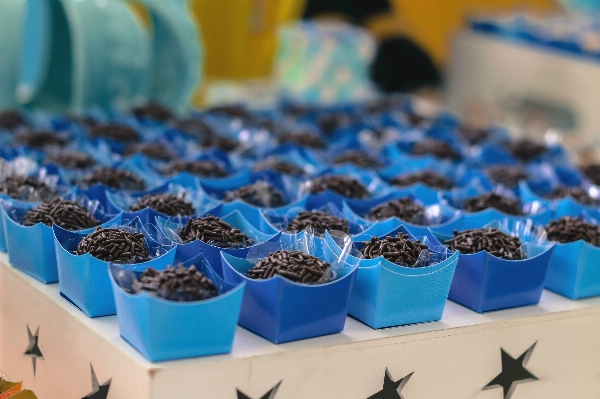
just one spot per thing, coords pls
(276, 164)
(438, 148)
(305, 139)
(114, 132)
(355, 157)
(526, 149)
(260, 194)
(293, 265)
(11, 119)
(343, 185)
(198, 168)
(67, 214)
(493, 200)
(169, 204)
(194, 127)
(223, 143)
(232, 111)
(592, 172)
(491, 240)
(15, 186)
(399, 249)
(472, 135)
(114, 178)
(430, 178)
(319, 221)
(153, 110)
(577, 193)
(72, 160)
(176, 284)
(41, 139)
(114, 245)
(213, 230)
(507, 175)
(402, 208)
(569, 229)
(329, 123)
(153, 150)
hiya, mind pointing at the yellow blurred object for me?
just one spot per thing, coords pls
(432, 22)
(239, 36)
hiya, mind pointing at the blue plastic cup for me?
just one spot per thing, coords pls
(282, 311)
(484, 282)
(386, 294)
(31, 249)
(85, 280)
(167, 330)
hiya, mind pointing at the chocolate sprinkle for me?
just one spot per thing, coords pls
(198, 168)
(507, 175)
(430, 178)
(343, 185)
(221, 142)
(40, 139)
(194, 127)
(114, 132)
(402, 208)
(232, 111)
(72, 160)
(592, 172)
(169, 204)
(305, 139)
(293, 265)
(578, 194)
(525, 150)
(569, 229)
(176, 284)
(319, 221)
(491, 240)
(438, 148)
(210, 229)
(153, 110)
(67, 214)
(277, 165)
(11, 119)
(493, 200)
(17, 186)
(114, 178)
(356, 157)
(114, 245)
(260, 194)
(153, 150)
(472, 135)
(400, 249)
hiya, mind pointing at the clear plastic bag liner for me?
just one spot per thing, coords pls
(533, 236)
(345, 257)
(280, 220)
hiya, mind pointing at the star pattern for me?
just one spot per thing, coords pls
(98, 391)
(513, 372)
(33, 350)
(391, 389)
(269, 395)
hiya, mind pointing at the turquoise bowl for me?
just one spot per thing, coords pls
(12, 14)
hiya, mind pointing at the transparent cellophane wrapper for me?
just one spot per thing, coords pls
(9, 389)
(24, 166)
(122, 200)
(315, 245)
(281, 219)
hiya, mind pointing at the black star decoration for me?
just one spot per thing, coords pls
(391, 389)
(513, 372)
(98, 391)
(33, 350)
(269, 395)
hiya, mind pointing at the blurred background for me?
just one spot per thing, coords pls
(528, 62)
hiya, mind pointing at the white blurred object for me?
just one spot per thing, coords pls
(532, 87)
